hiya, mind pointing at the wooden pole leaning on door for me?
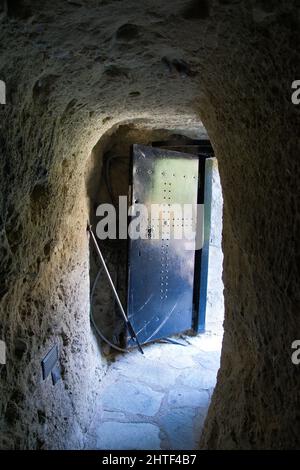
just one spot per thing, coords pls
(126, 320)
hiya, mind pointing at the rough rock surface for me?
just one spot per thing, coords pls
(74, 72)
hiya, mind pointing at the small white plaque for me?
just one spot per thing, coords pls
(2, 92)
(2, 352)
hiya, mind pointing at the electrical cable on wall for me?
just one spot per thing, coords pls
(107, 180)
(98, 331)
(121, 309)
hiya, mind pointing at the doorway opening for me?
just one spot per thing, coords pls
(158, 400)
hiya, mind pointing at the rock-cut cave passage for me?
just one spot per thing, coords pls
(74, 74)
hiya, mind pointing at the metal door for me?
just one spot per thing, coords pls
(161, 268)
(205, 153)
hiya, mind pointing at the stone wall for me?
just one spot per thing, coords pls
(215, 287)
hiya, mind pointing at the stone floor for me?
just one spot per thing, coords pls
(159, 400)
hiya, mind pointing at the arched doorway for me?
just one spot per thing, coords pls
(158, 400)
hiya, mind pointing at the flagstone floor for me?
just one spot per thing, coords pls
(159, 400)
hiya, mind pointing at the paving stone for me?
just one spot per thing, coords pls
(179, 397)
(179, 427)
(179, 357)
(150, 372)
(208, 359)
(199, 378)
(128, 436)
(198, 422)
(131, 398)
